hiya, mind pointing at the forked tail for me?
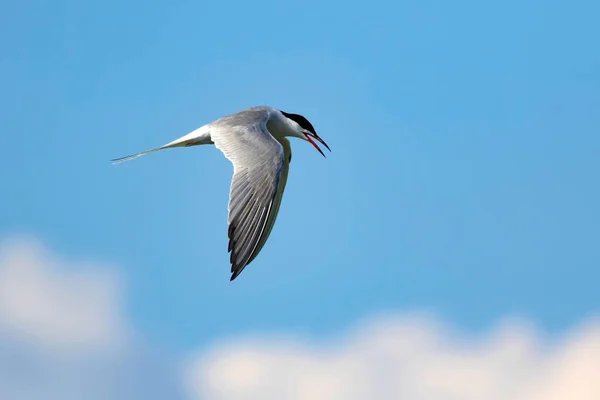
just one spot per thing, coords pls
(197, 137)
(133, 156)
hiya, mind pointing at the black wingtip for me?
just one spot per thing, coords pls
(235, 268)
(234, 275)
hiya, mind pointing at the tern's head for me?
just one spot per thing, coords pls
(304, 129)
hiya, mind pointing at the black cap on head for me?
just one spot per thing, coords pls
(300, 120)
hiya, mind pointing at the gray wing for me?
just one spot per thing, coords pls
(287, 151)
(259, 162)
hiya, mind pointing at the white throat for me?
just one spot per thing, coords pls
(280, 126)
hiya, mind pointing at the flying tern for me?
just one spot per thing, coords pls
(254, 140)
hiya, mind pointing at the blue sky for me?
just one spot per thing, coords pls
(463, 177)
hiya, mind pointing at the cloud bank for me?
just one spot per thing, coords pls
(63, 335)
(57, 305)
(408, 358)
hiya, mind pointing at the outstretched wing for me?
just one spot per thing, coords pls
(287, 155)
(259, 175)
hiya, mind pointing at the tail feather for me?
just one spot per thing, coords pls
(133, 156)
(197, 137)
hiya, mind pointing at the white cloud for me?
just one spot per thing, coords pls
(63, 335)
(56, 304)
(410, 358)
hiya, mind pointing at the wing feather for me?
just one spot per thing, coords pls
(260, 165)
(279, 195)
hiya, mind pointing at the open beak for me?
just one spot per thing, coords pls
(310, 135)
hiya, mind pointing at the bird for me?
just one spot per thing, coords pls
(255, 142)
